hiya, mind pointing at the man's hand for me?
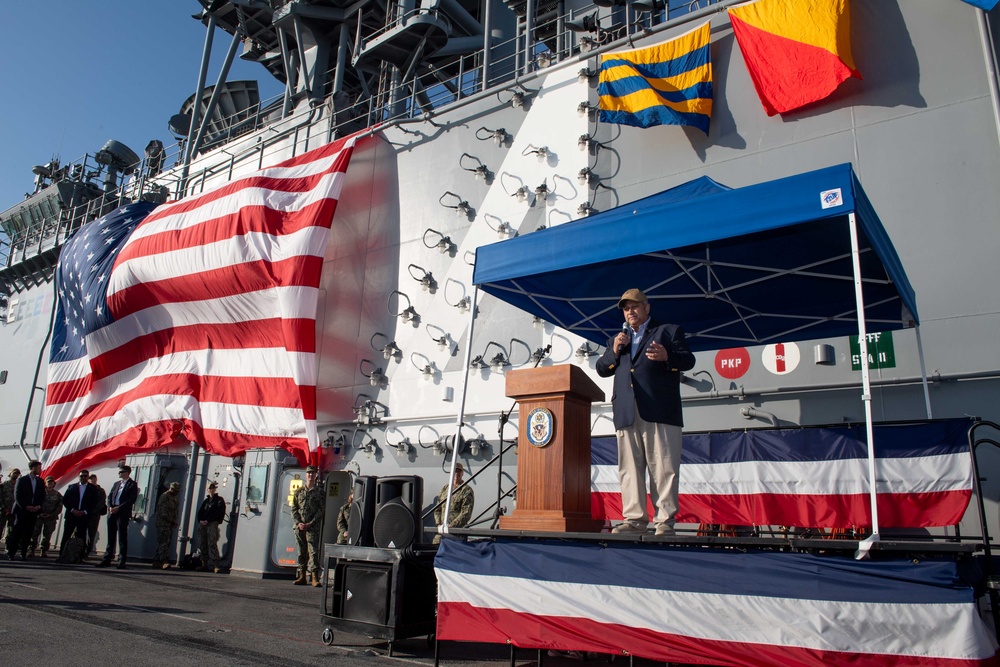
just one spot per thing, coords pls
(621, 340)
(656, 352)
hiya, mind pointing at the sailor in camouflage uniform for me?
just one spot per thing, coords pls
(344, 520)
(48, 517)
(166, 522)
(7, 503)
(462, 501)
(308, 506)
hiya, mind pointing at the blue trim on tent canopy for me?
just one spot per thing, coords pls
(754, 265)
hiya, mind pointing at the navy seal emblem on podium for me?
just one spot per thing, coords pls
(540, 427)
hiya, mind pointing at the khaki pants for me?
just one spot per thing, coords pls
(656, 447)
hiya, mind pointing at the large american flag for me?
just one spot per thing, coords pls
(195, 318)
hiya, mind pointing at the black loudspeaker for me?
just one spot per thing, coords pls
(362, 516)
(397, 513)
(369, 587)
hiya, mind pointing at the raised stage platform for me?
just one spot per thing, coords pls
(750, 601)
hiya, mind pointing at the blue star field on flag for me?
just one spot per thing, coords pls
(82, 279)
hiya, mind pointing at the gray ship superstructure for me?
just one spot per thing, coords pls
(483, 127)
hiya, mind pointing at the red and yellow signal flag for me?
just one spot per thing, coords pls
(796, 51)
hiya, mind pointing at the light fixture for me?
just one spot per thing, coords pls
(498, 362)
(536, 323)
(442, 340)
(461, 208)
(402, 447)
(408, 313)
(476, 444)
(585, 209)
(423, 364)
(585, 74)
(585, 23)
(361, 409)
(389, 350)
(478, 362)
(375, 375)
(517, 100)
(422, 276)
(646, 6)
(481, 171)
(539, 354)
(588, 43)
(499, 135)
(585, 351)
(584, 176)
(541, 152)
(369, 447)
(445, 444)
(502, 229)
(545, 58)
(463, 304)
(587, 143)
(438, 240)
(541, 192)
(334, 441)
(521, 193)
(584, 108)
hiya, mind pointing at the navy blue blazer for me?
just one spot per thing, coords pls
(129, 495)
(71, 499)
(653, 387)
(23, 496)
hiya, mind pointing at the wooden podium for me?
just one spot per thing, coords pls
(553, 480)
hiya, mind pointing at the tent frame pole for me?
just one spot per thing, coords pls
(460, 418)
(864, 546)
(923, 372)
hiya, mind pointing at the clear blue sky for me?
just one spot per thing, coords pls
(78, 73)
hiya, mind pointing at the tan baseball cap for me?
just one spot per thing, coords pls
(631, 295)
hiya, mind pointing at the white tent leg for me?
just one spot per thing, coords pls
(923, 372)
(460, 419)
(866, 394)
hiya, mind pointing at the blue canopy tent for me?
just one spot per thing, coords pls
(798, 258)
(760, 264)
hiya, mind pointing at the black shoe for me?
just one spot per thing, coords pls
(104, 563)
(10, 556)
(121, 565)
(23, 557)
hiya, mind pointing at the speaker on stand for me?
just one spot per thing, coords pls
(397, 513)
(361, 520)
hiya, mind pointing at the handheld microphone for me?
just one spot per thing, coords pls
(626, 329)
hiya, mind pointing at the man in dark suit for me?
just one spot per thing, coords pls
(29, 494)
(646, 359)
(80, 501)
(121, 498)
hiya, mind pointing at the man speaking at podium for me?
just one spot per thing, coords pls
(646, 358)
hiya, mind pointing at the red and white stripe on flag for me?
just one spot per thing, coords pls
(205, 322)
